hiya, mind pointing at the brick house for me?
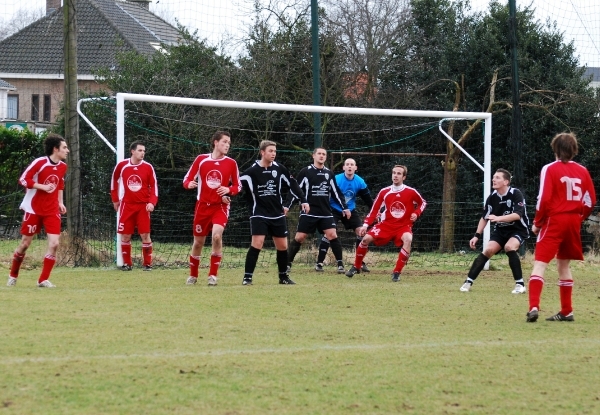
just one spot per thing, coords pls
(5, 89)
(31, 60)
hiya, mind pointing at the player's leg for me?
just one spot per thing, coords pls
(361, 251)
(143, 226)
(536, 285)
(49, 260)
(217, 253)
(336, 246)
(200, 229)
(512, 248)
(403, 255)
(491, 249)
(18, 257)
(306, 225)
(323, 248)
(127, 221)
(252, 255)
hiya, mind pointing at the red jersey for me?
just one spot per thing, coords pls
(564, 188)
(138, 180)
(43, 171)
(211, 174)
(400, 203)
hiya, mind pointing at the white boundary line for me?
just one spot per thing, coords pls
(333, 348)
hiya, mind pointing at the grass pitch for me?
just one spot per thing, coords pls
(108, 342)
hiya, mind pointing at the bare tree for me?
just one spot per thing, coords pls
(20, 20)
(367, 30)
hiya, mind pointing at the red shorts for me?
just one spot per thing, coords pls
(560, 237)
(207, 215)
(382, 234)
(33, 223)
(132, 215)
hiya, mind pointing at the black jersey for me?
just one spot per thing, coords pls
(263, 189)
(319, 185)
(502, 205)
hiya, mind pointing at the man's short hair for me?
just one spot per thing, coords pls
(133, 146)
(51, 142)
(218, 135)
(402, 167)
(318, 148)
(266, 143)
(505, 173)
(565, 146)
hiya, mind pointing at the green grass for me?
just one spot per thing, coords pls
(107, 342)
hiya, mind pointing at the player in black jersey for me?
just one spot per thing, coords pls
(318, 183)
(263, 183)
(505, 208)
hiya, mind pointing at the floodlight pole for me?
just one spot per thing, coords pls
(316, 64)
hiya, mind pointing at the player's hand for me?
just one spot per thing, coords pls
(222, 191)
(48, 188)
(305, 207)
(413, 217)
(193, 184)
(226, 200)
(346, 213)
(285, 211)
(116, 206)
(535, 229)
(362, 231)
(473, 242)
(149, 207)
(494, 218)
(62, 208)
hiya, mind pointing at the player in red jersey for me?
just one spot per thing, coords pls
(566, 199)
(216, 177)
(403, 206)
(135, 202)
(43, 205)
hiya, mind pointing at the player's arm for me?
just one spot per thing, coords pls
(152, 188)
(337, 195)
(478, 232)
(297, 193)
(302, 184)
(28, 181)
(589, 196)
(544, 199)
(61, 205)
(190, 181)
(235, 185)
(420, 204)
(366, 197)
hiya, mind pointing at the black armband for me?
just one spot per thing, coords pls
(477, 235)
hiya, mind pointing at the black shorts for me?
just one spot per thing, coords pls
(266, 226)
(501, 236)
(309, 224)
(354, 222)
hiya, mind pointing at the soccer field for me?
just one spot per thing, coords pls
(108, 342)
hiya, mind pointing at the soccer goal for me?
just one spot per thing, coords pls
(380, 141)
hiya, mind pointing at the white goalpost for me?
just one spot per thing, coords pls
(121, 98)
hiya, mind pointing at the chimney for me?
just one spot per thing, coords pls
(142, 3)
(52, 5)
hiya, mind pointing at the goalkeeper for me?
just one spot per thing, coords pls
(351, 185)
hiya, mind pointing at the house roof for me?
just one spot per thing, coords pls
(6, 85)
(593, 72)
(104, 27)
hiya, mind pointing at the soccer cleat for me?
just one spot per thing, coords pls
(191, 280)
(319, 268)
(289, 268)
(126, 268)
(364, 268)
(286, 281)
(147, 268)
(395, 276)
(561, 317)
(466, 287)
(46, 284)
(519, 289)
(341, 269)
(212, 280)
(247, 281)
(352, 272)
(12, 281)
(532, 315)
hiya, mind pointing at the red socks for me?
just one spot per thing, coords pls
(49, 261)
(536, 284)
(147, 253)
(361, 251)
(402, 260)
(16, 264)
(215, 261)
(126, 253)
(194, 265)
(566, 291)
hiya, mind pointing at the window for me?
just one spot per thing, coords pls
(47, 107)
(13, 107)
(35, 107)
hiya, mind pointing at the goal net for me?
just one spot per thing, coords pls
(175, 130)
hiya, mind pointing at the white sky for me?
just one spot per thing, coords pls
(229, 20)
